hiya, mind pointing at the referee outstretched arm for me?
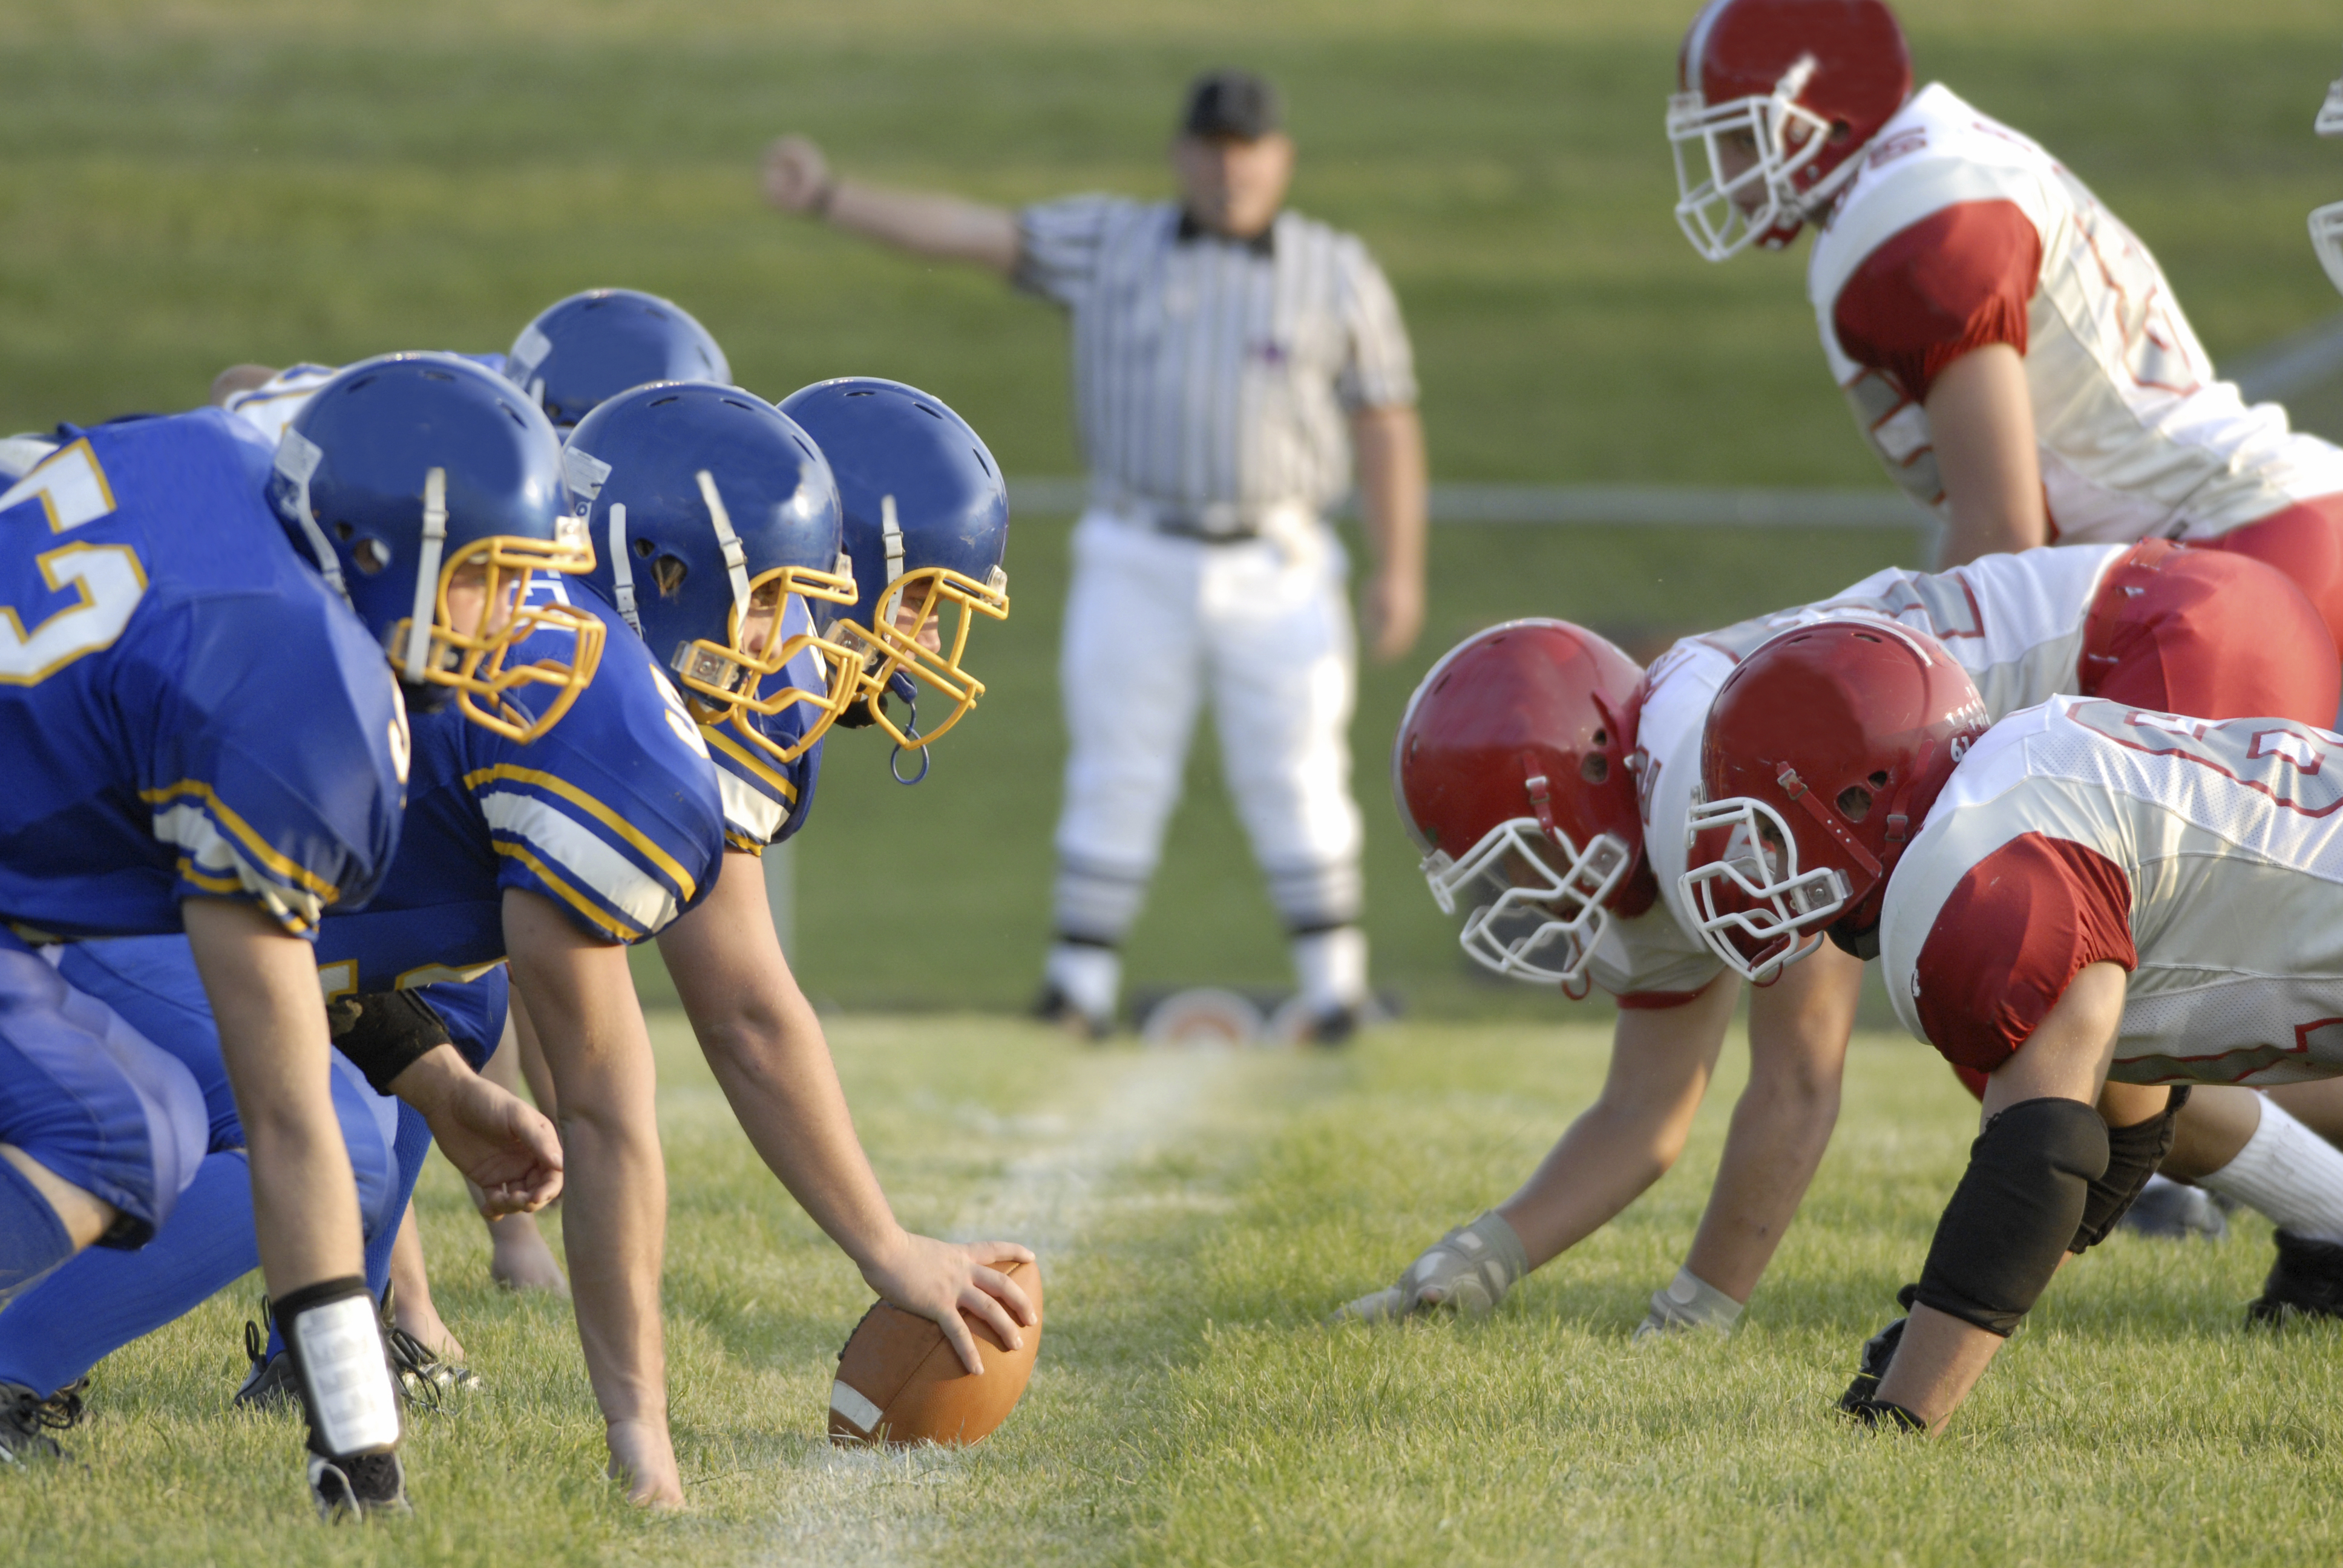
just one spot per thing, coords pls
(1231, 186)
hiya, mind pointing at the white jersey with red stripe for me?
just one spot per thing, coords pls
(2139, 436)
(2014, 622)
(2206, 858)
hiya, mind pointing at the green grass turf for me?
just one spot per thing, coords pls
(1197, 1214)
(191, 183)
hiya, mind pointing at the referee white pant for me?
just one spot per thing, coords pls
(1153, 621)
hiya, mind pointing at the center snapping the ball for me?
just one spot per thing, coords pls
(900, 1381)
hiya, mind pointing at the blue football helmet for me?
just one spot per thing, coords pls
(927, 522)
(597, 345)
(712, 507)
(407, 470)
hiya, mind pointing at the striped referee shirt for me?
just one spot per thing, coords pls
(1210, 371)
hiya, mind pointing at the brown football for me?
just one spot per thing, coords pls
(899, 1380)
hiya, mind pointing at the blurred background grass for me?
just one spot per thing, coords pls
(186, 185)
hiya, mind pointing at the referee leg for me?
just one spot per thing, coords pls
(1284, 681)
(1129, 676)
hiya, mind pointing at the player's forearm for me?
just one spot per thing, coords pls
(1393, 492)
(1780, 1130)
(1981, 419)
(946, 227)
(262, 985)
(1628, 1139)
(581, 999)
(1798, 1031)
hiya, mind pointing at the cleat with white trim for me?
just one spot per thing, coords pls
(359, 1488)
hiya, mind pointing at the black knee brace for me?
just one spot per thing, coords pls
(2133, 1154)
(2018, 1205)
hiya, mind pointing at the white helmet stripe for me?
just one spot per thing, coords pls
(427, 574)
(1696, 43)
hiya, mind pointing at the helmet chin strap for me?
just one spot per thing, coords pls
(622, 570)
(736, 557)
(427, 576)
(1541, 798)
(1795, 789)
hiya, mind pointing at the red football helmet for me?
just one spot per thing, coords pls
(1855, 723)
(1511, 772)
(1799, 89)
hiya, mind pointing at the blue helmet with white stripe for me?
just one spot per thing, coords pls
(927, 522)
(595, 344)
(417, 479)
(708, 507)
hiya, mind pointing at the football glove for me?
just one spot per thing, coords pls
(1689, 1302)
(1467, 1273)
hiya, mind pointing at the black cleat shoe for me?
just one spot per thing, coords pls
(26, 1419)
(2307, 1277)
(1331, 1029)
(2174, 1212)
(425, 1378)
(1054, 1006)
(270, 1383)
(369, 1486)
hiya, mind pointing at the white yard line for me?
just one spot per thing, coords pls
(858, 1506)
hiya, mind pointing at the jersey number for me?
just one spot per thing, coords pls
(106, 581)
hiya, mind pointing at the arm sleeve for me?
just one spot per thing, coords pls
(2009, 940)
(1380, 371)
(1951, 283)
(1058, 246)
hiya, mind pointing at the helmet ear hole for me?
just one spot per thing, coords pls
(643, 548)
(669, 572)
(1595, 768)
(371, 556)
(1855, 802)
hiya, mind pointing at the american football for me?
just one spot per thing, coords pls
(899, 1382)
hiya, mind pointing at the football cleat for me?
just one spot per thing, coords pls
(2307, 1279)
(424, 1375)
(359, 1488)
(2175, 1211)
(1054, 1006)
(268, 1383)
(26, 1419)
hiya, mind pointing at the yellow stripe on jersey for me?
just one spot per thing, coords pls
(740, 754)
(260, 847)
(231, 885)
(650, 852)
(743, 843)
(577, 900)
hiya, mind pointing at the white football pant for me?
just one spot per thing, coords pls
(1153, 621)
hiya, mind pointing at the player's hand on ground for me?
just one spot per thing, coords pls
(796, 173)
(502, 1145)
(1391, 613)
(941, 1279)
(642, 1460)
(1467, 1273)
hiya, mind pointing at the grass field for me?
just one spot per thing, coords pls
(190, 183)
(1196, 1214)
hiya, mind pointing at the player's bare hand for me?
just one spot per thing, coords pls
(642, 1460)
(1391, 613)
(941, 1279)
(504, 1148)
(796, 173)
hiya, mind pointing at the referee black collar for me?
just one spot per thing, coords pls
(1263, 245)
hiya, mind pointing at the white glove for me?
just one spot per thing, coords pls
(1689, 1302)
(1467, 1271)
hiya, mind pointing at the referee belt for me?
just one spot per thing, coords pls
(1217, 523)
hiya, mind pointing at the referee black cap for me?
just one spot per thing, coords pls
(1231, 104)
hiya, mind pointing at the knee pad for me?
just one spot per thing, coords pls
(2018, 1206)
(2133, 1154)
(33, 1239)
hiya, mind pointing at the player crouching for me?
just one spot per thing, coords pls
(2095, 905)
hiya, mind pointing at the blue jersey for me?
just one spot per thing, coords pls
(766, 800)
(612, 815)
(185, 709)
